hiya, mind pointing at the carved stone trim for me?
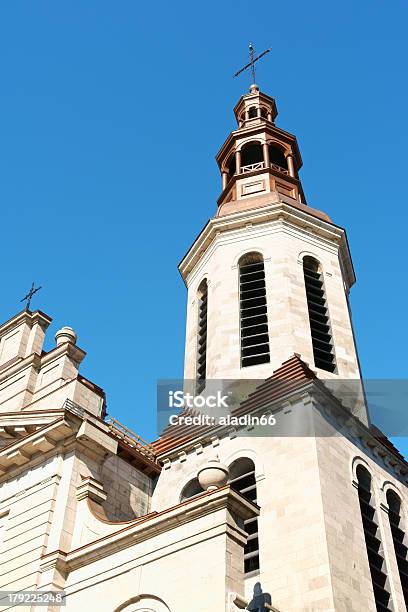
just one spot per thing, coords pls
(92, 489)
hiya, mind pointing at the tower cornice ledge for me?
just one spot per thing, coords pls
(264, 132)
(25, 316)
(46, 438)
(273, 212)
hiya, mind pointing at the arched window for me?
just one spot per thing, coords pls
(143, 603)
(202, 297)
(264, 112)
(191, 489)
(318, 316)
(252, 113)
(372, 539)
(242, 479)
(231, 165)
(253, 315)
(277, 157)
(251, 153)
(399, 539)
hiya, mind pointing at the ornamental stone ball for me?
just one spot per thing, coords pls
(65, 334)
(213, 475)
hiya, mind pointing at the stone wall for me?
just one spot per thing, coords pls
(128, 489)
(311, 543)
(338, 457)
(26, 512)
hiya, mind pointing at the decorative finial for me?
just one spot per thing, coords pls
(251, 65)
(213, 474)
(29, 296)
(65, 334)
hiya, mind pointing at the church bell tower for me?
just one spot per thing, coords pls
(268, 276)
(268, 158)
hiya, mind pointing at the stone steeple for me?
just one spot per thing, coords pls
(276, 272)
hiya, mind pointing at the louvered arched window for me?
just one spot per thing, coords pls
(242, 479)
(253, 310)
(319, 319)
(399, 539)
(373, 541)
(202, 298)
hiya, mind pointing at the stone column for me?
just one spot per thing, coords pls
(224, 179)
(291, 166)
(238, 162)
(265, 148)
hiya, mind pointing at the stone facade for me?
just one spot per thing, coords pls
(311, 542)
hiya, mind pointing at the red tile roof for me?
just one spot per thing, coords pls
(381, 437)
(287, 378)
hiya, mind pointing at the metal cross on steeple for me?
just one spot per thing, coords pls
(29, 296)
(252, 61)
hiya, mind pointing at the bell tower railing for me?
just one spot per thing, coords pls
(260, 166)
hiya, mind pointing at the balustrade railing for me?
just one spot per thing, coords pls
(251, 167)
(130, 437)
(279, 169)
(118, 429)
(261, 165)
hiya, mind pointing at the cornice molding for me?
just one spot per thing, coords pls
(48, 437)
(33, 360)
(272, 213)
(38, 361)
(26, 316)
(224, 498)
(71, 350)
(91, 488)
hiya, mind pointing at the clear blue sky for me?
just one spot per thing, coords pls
(111, 114)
